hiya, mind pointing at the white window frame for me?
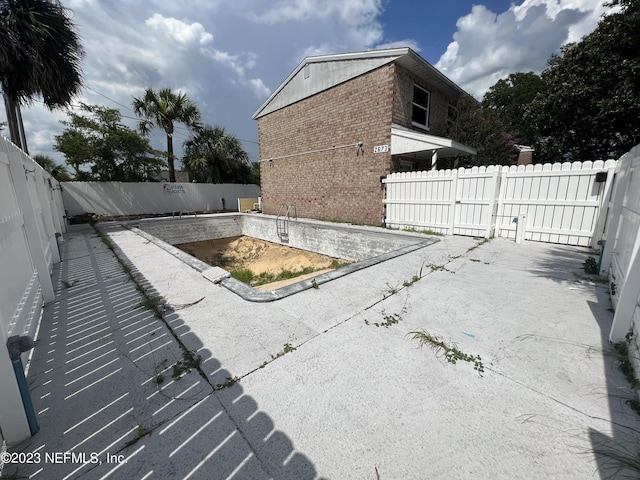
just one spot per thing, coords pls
(424, 126)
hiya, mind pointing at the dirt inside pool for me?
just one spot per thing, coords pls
(267, 262)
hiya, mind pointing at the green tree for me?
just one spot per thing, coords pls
(483, 129)
(510, 97)
(214, 156)
(99, 147)
(254, 176)
(59, 172)
(161, 109)
(591, 108)
(40, 55)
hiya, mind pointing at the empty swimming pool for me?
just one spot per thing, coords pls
(364, 246)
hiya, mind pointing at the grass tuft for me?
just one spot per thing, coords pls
(448, 351)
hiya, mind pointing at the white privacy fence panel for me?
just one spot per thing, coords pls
(476, 201)
(621, 254)
(560, 203)
(421, 200)
(119, 198)
(30, 223)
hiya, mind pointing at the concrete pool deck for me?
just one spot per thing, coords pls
(323, 392)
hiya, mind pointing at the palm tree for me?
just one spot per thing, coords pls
(213, 156)
(162, 108)
(40, 55)
(57, 171)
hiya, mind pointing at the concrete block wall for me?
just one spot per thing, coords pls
(348, 242)
(192, 229)
(335, 184)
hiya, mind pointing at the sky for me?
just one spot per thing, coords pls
(228, 56)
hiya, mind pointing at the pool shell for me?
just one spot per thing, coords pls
(365, 246)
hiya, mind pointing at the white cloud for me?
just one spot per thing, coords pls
(409, 42)
(183, 33)
(350, 12)
(229, 55)
(489, 46)
(260, 90)
(350, 25)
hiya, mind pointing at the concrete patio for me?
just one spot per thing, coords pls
(310, 387)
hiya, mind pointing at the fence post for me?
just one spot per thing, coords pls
(13, 418)
(45, 206)
(453, 201)
(493, 188)
(598, 231)
(36, 248)
(503, 185)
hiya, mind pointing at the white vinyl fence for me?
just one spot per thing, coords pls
(119, 198)
(31, 220)
(621, 253)
(555, 203)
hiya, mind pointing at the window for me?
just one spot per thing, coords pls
(420, 116)
(452, 115)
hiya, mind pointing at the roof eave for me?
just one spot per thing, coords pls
(398, 52)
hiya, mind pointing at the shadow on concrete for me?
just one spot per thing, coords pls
(564, 263)
(616, 451)
(115, 396)
(613, 451)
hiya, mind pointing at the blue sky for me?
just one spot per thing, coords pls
(229, 55)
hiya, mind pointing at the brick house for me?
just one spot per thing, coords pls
(340, 123)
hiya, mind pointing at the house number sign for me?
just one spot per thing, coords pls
(381, 149)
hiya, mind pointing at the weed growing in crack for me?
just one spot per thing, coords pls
(448, 351)
(288, 348)
(408, 283)
(151, 302)
(227, 383)
(389, 320)
(390, 291)
(439, 268)
(479, 244)
(140, 432)
(314, 284)
(105, 239)
(189, 361)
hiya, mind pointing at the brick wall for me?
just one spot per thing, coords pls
(403, 100)
(336, 184)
